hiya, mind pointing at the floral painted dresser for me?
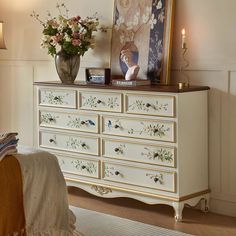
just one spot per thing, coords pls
(149, 143)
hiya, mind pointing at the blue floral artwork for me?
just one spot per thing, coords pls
(138, 37)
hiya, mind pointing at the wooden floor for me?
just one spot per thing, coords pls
(194, 221)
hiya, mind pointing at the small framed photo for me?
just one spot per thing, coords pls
(97, 75)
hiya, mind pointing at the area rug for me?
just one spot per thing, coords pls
(91, 223)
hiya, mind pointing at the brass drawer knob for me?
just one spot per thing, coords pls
(51, 140)
(156, 179)
(117, 172)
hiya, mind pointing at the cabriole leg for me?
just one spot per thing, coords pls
(178, 207)
(205, 203)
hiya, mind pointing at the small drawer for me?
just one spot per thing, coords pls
(150, 105)
(98, 101)
(139, 152)
(139, 128)
(78, 166)
(71, 121)
(72, 143)
(57, 98)
(156, 179)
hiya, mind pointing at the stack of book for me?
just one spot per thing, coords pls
(136, 82)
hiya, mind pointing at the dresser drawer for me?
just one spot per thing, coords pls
(139, 176)
(79, 166)
(72, 143)
(149, 104)
(57, 98)
(72, 121)
(98, 101)
(139, 152)
(139, 128)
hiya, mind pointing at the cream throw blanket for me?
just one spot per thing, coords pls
(45, 195)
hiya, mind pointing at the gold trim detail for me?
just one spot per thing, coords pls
(175, 199)
(194, 195)
(101, 190)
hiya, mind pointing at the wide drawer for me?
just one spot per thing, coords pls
(72, 121)
(74, 143)
(155, 179)
(79, 166)
(139, 128)
(57, 98)
(149, 104)
(138, 152)
(101, 101)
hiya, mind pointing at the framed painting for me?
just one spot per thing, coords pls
(141, 39)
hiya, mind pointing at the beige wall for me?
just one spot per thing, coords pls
(211, 39)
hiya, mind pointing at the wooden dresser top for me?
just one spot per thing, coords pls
(151, 88)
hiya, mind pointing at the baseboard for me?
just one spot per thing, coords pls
(223, 207)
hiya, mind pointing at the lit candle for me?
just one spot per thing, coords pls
(184, 46)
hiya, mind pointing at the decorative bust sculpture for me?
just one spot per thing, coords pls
(133, 68)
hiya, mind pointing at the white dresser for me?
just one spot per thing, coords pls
(148, 143)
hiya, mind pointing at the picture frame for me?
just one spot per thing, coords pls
(142, 36)
(97, 75)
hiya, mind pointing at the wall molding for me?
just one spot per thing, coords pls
(223, 207)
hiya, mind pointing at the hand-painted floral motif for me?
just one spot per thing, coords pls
(108, 171)
(117, 124)
(78, 123)
(151, 129)
(94, 102)
(160, 154)
(76, 144)
(48, 118)
(90, 167)
(112, 102)
(154, 129)
(55, 100)
(142, 106)
(157, 178)
(120, 149)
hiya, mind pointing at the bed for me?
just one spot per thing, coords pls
(33, 196)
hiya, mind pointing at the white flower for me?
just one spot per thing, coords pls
(129, 25)
(145, 18)
(159, 5)
(120, 21)
(152, 21)
(136, 19)
(161, 17)
(67, 37)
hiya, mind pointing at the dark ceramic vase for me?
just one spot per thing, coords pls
(67, 66)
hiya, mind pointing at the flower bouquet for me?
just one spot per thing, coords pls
(67, 38)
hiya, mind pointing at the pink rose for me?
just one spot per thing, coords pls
(76, 42)
(75, 35)
(57, 38)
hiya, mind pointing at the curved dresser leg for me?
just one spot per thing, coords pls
(205, 203)
(178, 207)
